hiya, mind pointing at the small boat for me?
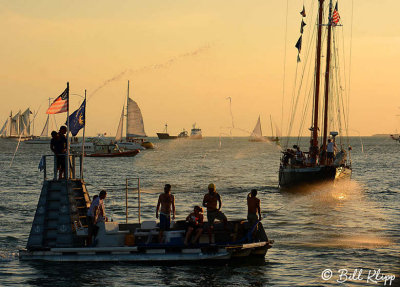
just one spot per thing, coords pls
(256, 135)
(317, 164)
(196, 133)
(135, 134)
(59, 233)
(165, 135)
(101, 147)
(114, 153)
(18, 126)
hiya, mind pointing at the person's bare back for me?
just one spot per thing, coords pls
(253, 204)
(166, 201)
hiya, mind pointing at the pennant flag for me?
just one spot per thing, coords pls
(335, 15)
(303, 12)
(298, 58)
(298, 44)
(77, 119)
(302, 26)
(60, 104)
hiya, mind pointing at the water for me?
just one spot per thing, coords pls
(352, 225)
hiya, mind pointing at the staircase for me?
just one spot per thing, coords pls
(61, 203)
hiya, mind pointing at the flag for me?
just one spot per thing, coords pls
(77, 119)
(60, 104)
(298, 44)
(335, 15)
(303, 12)
(302, 26)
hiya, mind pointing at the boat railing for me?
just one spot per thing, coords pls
(71, 172)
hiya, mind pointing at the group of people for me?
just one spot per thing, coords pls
(166, 209)
(296, 157)
(58, 145)
(195, 220)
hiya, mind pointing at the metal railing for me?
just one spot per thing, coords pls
(70, 166)
(126, 196)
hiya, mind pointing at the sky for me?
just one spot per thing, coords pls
(184, 58)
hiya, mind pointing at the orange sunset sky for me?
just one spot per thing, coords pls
(185, 57)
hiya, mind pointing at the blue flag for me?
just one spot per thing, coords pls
(77, 119)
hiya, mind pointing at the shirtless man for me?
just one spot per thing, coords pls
(166, 200)
(253, 205)
(211, 201)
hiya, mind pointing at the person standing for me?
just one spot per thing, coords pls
(53, 145)
(330, 151)
(167, 202)
(253, 208)
(60, 149)
(212, 201)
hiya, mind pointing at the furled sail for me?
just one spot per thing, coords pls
(257, 133)
(118, 136)
(134, 123)
(45, 131)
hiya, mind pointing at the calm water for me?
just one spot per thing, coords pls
(352, 225)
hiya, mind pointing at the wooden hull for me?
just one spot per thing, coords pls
(129, 153)
(166, 136)
(294, 177)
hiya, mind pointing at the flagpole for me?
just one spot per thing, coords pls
(67, 161)
(83, 140)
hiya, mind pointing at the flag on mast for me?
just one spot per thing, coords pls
(298, 44)
(60, 104)
(77, 119)
(335, 15)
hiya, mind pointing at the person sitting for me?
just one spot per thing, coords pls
(195, 224)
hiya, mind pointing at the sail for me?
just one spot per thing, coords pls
(118, 136)
(3, 131)
(25, 125)
(257, 133)
(45, 131)
(134, 122)
(14, 125)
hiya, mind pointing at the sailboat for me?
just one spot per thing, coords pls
(135, 133)
(298, 168)
(256, 135)
(17, 126)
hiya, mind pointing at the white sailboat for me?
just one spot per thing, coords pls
(135, 133)
(17, 126)
(256, 135)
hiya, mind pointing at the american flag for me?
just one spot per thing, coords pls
(60, 104)
(335, 15)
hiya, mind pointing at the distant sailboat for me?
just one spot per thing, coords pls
(135, 133)
(17, 126)
(256, 135)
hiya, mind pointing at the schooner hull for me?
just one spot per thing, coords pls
(293, 177)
